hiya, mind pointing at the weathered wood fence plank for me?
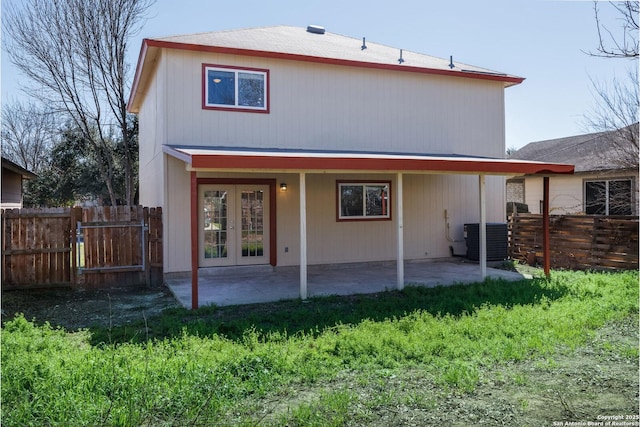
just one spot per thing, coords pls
(36, 247)
(119, 246)
(581, 242)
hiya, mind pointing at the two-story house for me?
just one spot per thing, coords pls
(295, 146)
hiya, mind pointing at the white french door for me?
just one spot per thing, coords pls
(234, 222)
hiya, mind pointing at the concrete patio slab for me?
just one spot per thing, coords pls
(260, 284)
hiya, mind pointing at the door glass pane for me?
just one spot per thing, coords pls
(215, 224)
(252, 214)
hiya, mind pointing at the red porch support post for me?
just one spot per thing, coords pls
(194, 240)
(546, 247)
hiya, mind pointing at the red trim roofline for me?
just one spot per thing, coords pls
(146, 43)
(373, 164)
(202, 158)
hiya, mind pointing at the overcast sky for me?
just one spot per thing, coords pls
(543, 41)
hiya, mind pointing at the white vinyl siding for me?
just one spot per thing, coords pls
(330, 108)
(425, 199)
(152, 135)
(11, 189)
(176, 217)
(566, 193)
(336, 107)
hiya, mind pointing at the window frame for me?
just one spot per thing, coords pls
(607, 201)
(236, 70)
(364, 184)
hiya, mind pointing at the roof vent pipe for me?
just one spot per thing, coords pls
(400, 60)
(451, 62)
(364, 44)
(315, 29)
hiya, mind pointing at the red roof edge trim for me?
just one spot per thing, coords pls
(210, 161)
(332, 61)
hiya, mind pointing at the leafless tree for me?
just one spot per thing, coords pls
(616, 112)
(74, 52)
(27, 134)
(625, 43)
(510, 150)
(616, 102)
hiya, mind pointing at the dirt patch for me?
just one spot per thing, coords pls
(76, 309)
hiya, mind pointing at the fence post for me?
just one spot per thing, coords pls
(75, 214)
(145, 243)
(74, 249)
(4, 244)
(546, 246)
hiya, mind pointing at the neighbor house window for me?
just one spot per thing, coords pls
(364, 200)
(608, 197)
(240, 89)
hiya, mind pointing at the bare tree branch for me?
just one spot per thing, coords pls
(27, 134)
(625, 44)
(74, 51)
(616, 103)
(616, 112)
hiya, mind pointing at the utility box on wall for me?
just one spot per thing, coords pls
(497, 241)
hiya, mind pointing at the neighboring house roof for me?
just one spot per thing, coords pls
(8, 164)
(287, 159)
(589, 153)
(298, 44)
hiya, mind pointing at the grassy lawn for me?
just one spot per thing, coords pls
(533, 352)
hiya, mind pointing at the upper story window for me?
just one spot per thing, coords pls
(236, 89)
(364, 200)
(609, 197)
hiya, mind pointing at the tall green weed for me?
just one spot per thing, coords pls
(198, 375)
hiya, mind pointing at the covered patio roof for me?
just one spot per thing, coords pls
(357, 161)
(303, 162)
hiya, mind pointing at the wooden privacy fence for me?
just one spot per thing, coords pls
(578, 242)
(81, 247)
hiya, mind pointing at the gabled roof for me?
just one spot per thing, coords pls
(8, 164)
(588, 152)
(298, 44)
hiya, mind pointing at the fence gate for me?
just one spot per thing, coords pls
(91, 247)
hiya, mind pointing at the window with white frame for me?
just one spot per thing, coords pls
(230, 88)
(364, 200)
(608, 197)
